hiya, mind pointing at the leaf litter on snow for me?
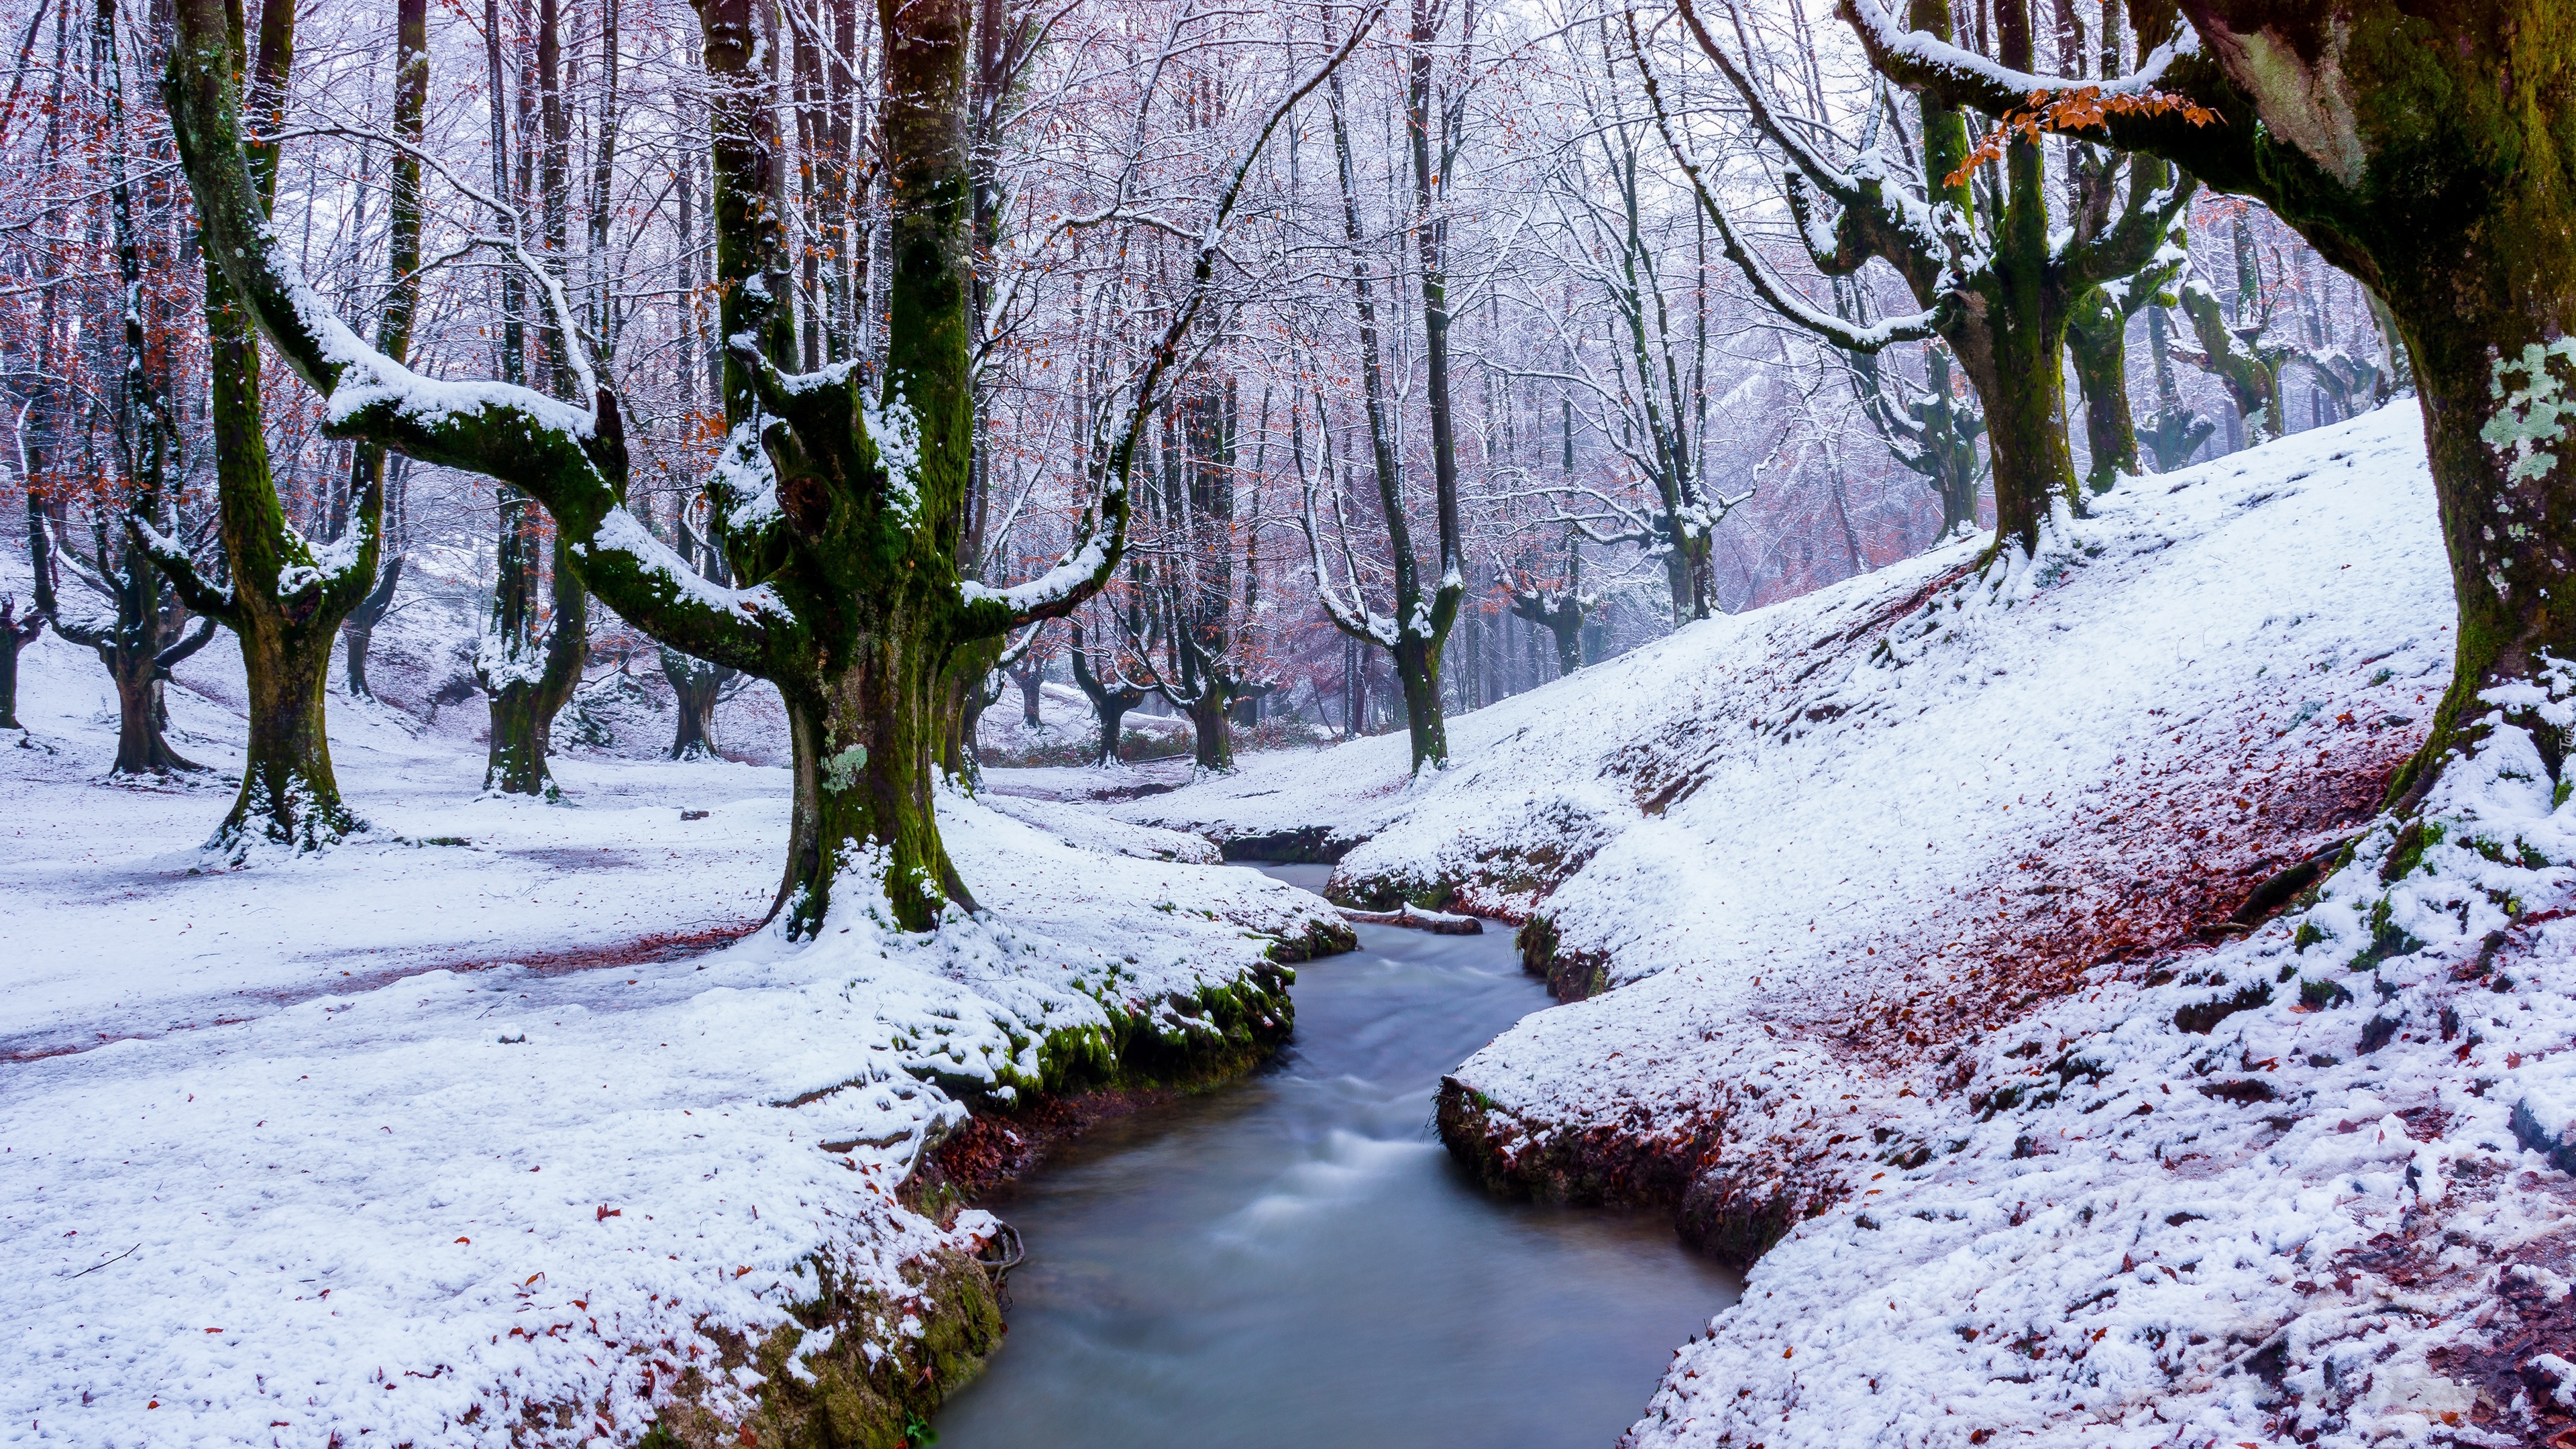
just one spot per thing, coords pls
(1909, 906)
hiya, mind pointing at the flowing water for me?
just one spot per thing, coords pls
(1294, 1260)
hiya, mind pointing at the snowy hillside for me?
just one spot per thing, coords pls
(475, 1129)
(1902, 910)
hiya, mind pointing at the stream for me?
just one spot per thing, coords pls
(1294, 1260)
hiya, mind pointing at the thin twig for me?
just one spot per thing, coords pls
(94, 1267)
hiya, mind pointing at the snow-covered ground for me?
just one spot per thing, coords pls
(1901, 913)
(475, 1129)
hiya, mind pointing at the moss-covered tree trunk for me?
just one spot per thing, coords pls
(2250, 373)
(2426, 151)
(966, 691)
(2097, 342)
(285, 600)
(1417, 673)
(530, 667)
(2017, 374)
(2504, 469)
(2002, 305)
(1212, 728)
(840, 498)
(866, 739)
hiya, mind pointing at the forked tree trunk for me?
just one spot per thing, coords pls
(1032, 685)
(695, 687)
(869, 717)
(286, 600)
(358, 634)
(861, 604)
(530, 684)
(1109, 702)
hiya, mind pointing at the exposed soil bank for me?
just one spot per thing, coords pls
(1292, 1260)
(817, 1386)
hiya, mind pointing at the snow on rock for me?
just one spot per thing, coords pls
(1902, 912)
(552, 1194)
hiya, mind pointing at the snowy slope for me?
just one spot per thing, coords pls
(496, 1142)
(1893, 896)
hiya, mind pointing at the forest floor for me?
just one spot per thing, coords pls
(1896, 922)
(504, 1120)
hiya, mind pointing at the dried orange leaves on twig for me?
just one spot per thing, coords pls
(2078, 109)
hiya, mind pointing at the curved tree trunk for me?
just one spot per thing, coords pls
(2506, 484)
(964, 698)
(2252, 379)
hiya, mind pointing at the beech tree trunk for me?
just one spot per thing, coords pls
(15, 634)
(528, 680)
(1109, 702)
(358, 632)
(1420, 615)
(2423, 150)
(696, 686)
(136, 647)
(860, 602)
(1211, 723)
(2097, 341)
(2006, 317)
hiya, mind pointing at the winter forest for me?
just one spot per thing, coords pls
(1395, 722)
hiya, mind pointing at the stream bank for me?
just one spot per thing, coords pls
(1295, 1259)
